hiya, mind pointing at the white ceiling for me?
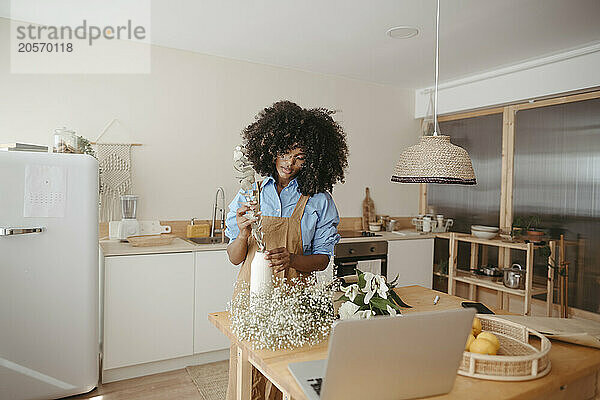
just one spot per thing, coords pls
(347, 37)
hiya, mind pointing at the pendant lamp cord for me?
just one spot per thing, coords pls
(437, 68)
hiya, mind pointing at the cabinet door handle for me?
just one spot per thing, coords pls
(19, 231)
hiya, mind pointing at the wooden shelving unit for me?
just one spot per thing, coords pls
(454, 274)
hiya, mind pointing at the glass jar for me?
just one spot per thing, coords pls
(65, 141)
(391, 226)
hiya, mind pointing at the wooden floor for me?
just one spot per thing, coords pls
(166, 386)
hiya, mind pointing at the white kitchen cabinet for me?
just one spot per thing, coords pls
(148, 308)
(215, 279)
(412, 261)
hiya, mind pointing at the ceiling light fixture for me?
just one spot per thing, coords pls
(403, 32)
(435, 159)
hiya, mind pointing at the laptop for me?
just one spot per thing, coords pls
(404, 357)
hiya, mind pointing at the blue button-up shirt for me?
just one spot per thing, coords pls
(319, 221)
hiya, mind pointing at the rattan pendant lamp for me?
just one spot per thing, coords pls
(435, 159)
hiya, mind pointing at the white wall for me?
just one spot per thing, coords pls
(560, 73)
(188, 114)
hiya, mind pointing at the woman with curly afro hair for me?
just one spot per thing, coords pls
(302, 153)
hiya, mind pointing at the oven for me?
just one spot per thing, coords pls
(347, 256)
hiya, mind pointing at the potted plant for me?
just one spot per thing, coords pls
(528, 225)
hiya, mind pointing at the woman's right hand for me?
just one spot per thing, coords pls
(238, 249)
(244, 223)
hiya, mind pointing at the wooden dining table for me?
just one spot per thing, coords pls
(575, 370)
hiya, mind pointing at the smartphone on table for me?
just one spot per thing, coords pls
(480, 307)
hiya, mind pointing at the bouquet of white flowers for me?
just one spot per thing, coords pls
(371, 296)
(294, 313)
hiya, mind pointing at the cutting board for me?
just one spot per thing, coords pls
(150, 240)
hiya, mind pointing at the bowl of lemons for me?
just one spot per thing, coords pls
(497, 349)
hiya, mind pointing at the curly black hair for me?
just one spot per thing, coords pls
(285, 126)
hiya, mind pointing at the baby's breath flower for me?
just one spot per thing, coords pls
(295, 313)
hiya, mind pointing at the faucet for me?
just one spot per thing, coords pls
(222, 214)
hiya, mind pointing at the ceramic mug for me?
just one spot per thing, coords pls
(449, 223)
(427, 223)
(418, 223)
(440, 219)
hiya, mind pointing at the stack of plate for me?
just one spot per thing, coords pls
(484, 232)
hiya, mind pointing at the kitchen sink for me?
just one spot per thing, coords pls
(208, 240)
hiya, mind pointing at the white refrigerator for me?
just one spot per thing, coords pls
(48, 275)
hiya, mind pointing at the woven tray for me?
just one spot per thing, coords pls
(517, 360)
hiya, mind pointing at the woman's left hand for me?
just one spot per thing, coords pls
(280, 259)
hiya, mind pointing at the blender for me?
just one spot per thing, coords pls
(129, 225)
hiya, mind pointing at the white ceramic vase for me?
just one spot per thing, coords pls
(261, 274)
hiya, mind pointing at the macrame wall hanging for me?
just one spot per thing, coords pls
(114, 161)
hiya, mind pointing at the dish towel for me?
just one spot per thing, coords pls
(373, 266)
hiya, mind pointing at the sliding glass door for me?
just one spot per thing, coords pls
(557, 178)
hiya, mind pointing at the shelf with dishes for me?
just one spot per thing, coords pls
(465, 237)
(525, 287)
(474, 279)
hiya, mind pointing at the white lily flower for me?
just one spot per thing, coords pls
(370, 286)
(351, 291)
(366, 314)
(369, 296)
(391, 310)
(382, 288)
(348, 310)
(374, 284)
(368, 276)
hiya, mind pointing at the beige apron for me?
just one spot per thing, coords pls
(278, 232)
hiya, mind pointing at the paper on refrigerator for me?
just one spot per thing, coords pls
(45, 191)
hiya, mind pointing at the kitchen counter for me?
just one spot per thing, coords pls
(117, 248)
(111, 248)
(389, 236)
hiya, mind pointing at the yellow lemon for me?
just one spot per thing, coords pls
(490, 337)
(476, 329)
(482, 346)
(469, 341)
